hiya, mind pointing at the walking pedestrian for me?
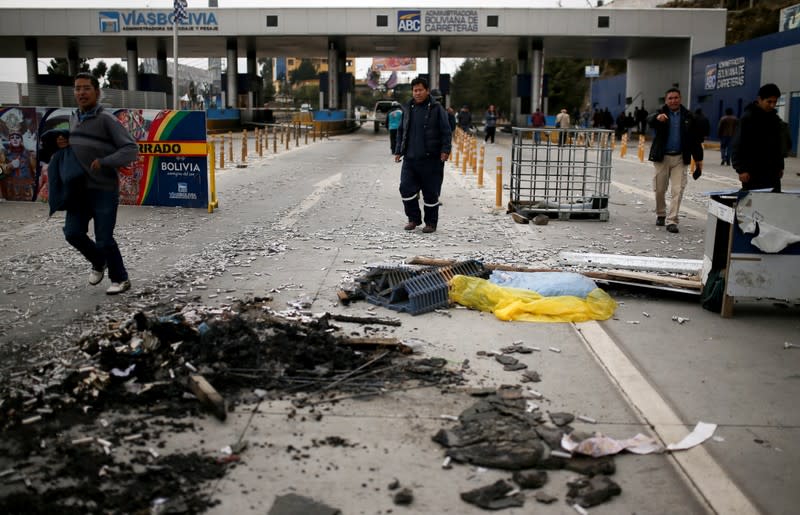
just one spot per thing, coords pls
(677, 140)
(393, 121)
(451, 119)
(538, 121)
(562, 124)
(101, 144)
(758, 145)
(424, 142)
(490, 123)
(726, 128)
(464, 119)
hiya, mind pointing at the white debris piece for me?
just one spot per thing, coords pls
(555, 349)
(586, 419)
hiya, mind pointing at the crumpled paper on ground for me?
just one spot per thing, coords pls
(602, 445)
(701, 432)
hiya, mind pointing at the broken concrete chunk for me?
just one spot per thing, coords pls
(551, 435)
(530, 478)
(545, 498)
(541, 219)
(404, 497)
(503, 455)
(531, 376)
(589, 466)
(515, 367)
(291, 504)
(494, 496)
(561, 418)
(588, 492)
(506, 360)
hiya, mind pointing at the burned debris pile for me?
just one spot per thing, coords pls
(83, 435)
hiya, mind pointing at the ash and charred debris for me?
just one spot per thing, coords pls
(94, 422)
(501, 431)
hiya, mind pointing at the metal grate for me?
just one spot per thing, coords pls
(563, 173)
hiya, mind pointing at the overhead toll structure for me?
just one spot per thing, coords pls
(657, 43)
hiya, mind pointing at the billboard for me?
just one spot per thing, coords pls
(394, 64)
(172, 168)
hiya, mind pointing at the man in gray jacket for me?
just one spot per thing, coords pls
(101, 144)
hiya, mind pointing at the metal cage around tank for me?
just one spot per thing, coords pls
(561, 173)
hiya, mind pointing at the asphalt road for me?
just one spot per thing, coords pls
(300, 224)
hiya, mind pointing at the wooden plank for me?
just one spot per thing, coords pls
(208, 396)
(373, 341)
(693, 284)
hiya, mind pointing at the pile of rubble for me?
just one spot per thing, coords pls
(83, 435)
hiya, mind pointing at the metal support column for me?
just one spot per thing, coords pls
(32, 60)
(233, 73)
(333, 76)
(434, 64)
(537, 75)
(133, 64)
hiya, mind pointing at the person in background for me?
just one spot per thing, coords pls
(424, 143)
(393, 121)
(726, 128)
(702, 123)
(538, 121)
(451, 119)
(677, 140)
(759, 142)
(562, 123)
(464, 119)
(490, 123)
(101, 144)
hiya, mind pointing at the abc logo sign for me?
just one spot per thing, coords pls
(409, 21)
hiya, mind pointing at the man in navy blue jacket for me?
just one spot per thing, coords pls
(423, 142)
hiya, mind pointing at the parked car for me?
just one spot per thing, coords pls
(382, 108)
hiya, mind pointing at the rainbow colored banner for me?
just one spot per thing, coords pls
(172, 169)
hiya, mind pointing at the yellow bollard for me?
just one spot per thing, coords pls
(230, 146)
(244, 145)
(313, 132)
(212, 201)
(222, 152)
(623, 147)
(287, 135)
(692, 166)
(641, 148)
(260, 142)
(498, 194)
(464, 161)
(274, 140)
(297, 135)
(480, 166)
(474, 162)
(306, 134)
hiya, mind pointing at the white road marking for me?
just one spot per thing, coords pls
(649, 194)
(310, 201)
(699, 469)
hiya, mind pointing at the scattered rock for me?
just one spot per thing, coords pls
(541, 219)
(291, 504)
(530, 478)
(545, 498)
(404, 497)
(531, 376)
(561, 418)
(494, 496)
(588, 492)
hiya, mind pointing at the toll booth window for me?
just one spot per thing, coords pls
(382, 20)
(603, 22)
(272, 20)
(492, 21)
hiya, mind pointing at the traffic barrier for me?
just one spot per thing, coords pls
(623, 147)
(212, 184)
(480, 166)
(498, 183)
(222, 152)
(230, 147)
(641, 148)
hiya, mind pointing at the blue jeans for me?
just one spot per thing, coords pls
(100, 206)
(725, 149)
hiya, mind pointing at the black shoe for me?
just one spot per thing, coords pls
(722, 163)
(672, 228)
(410, 226)
(660, 220)
(429, 228)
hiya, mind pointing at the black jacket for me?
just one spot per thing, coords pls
(757, 147)
(437, 130)
(691, 138)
